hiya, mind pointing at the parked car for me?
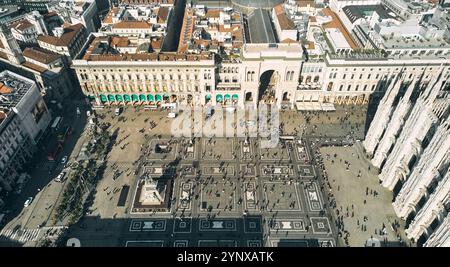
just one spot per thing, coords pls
(64, 160)
(28, 202)
(60, 177)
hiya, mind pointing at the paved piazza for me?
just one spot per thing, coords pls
(362, 213)
(226, 191)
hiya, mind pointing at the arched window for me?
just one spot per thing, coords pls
(330, 86)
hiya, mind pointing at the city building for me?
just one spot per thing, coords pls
(285, 27)
(223, 55)
(77, 12)
(28, 28)
(41, 65)
(66, 41)
(24, 118)
(409, 140)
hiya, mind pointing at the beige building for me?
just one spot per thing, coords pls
(227, 58)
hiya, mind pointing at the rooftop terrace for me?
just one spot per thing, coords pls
(12, 89)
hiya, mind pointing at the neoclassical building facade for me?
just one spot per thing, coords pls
(169, 79)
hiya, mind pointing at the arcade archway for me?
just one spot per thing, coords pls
(267, 84)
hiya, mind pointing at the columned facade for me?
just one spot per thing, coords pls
(237, 82)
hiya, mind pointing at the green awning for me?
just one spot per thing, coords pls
(227, 97)
(208, 97)
(235, 97)
(111, 98)
(142, 97)
(219, 98)
(134, 97)
(158, 98)
(103, 98)
(127, 98)
(119, 98)
(150, 97)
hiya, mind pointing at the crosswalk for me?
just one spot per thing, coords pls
(20, 235)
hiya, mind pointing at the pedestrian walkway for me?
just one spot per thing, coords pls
(20, 235)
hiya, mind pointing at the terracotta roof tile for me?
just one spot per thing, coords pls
(112, 12)
(213, 13)
(336, 23)
(285, 22)
(305, 3)
(289, 41)
(163, 13)
(65, 39)
(279, 9)
(21, 25)
(34, 67)
(4, 90)
(146, 2)
(41, 55)
(2, 115)
(128, 24)
(120, 41)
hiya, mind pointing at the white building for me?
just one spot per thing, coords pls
(410, 142)
(28, 27)
(23, 120)
(210, 68)
(285, 27)
(77, 11)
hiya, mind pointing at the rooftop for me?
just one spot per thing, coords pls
(337, 23)
(41, 55)
(146, 2)
(101, 48)
(361, 11)
(285, 22)
(66, 38)
(12, 89)
(260, 27)
(132, 25)
(21, 25)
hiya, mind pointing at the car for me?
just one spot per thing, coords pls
(60, 177)
(64, 160)
(28, 202)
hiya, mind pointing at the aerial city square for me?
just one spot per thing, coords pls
(224, 123)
